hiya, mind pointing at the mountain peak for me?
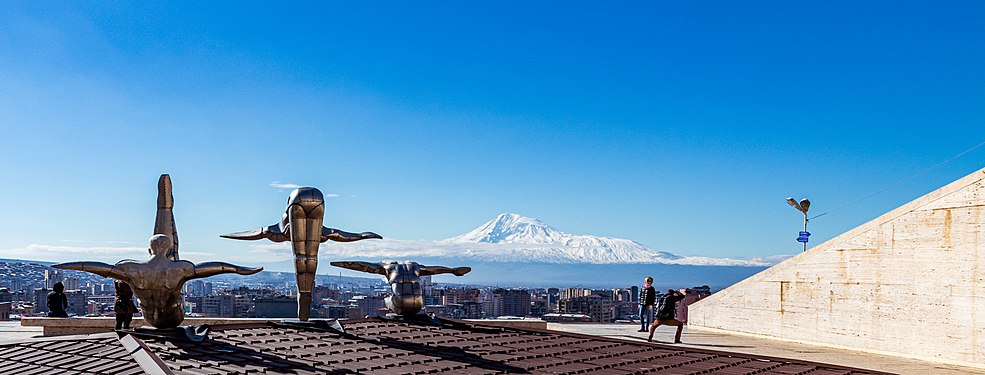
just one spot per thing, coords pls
(511, 219)
(512, 228)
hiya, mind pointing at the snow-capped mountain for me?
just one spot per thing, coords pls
(512, 237)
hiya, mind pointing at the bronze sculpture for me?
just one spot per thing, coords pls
(302, 225)
(157, 282)
(404, 279)
(164, 222)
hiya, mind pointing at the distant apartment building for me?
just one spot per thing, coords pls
(100, 304)
(459, 296)
(22, 308)
(570, 293)
(277, 307)
(71, 283)
(626, 310)
(621, 295)
(334, 311)
(453, 311)
(41, 300)
(5, 295)
(553, 294)
(52, 276)
(427, 286)
(252, 293)
(226, 306)
(465, 310)
(634, 294)
(511, 302)
(596, 306)
(78, 300)
(539, 307)
(322, 294)
(193, 304)
(195, 288)
(371, 306)
(5, 308)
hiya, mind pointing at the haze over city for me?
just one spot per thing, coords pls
(681, 127)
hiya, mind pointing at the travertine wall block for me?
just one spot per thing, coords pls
(910, 282)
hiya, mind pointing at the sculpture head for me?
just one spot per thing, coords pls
(159, 244)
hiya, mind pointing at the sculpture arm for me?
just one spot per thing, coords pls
(341, 236)
(99, 268)
(271, 232)
(214, 268)
(434, 270)
(362, 266)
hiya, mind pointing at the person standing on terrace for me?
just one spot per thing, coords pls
(648, 296)
(123, 306)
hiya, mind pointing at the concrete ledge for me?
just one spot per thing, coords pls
(515, 323)
(90, 325)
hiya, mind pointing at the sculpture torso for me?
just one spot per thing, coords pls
(157, 284)
(405, 283)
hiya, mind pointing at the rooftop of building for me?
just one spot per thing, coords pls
(389, 346)
(696, 340)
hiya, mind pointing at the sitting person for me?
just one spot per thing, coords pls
(57, 302)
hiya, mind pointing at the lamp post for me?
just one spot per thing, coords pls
(803, 206)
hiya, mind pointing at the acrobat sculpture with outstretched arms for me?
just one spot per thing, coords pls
(302, 225)
(404, 279)
(158, 281)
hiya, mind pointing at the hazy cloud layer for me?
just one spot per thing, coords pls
(389, 249)
(107, 254)
(284, 185)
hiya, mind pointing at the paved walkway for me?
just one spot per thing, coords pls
(722, 341)
(12, 330)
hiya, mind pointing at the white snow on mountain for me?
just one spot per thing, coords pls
(519, 238)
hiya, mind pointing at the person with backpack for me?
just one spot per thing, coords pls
(667, 314)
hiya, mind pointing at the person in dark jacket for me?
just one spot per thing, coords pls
(648, 296)
(667, 313)
(57, 302)
(123, 307)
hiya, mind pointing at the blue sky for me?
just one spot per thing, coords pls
(682, 126)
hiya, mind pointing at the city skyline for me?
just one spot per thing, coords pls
(682, 127)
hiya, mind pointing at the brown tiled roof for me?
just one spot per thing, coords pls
(97, 354)
(376, 346)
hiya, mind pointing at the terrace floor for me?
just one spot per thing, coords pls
(740, 343)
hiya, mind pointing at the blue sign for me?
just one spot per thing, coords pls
(803, 237)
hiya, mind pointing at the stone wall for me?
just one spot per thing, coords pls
(911, 282)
